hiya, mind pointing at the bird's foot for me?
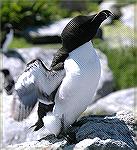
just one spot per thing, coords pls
(39, 124)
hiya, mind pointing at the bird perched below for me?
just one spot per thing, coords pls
(7, 38)
(8, 81)
(68, 86)
(6, 41)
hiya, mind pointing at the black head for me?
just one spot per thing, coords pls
(82, 29)
(8, 27)
(5, 72)
(104, 14)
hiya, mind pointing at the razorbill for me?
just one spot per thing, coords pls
(69, 84)
(8, 81)
(8, 37)
(6, 41)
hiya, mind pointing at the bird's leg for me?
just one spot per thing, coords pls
(63, 132)
(42, 111)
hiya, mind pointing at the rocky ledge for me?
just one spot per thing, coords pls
(106, 132)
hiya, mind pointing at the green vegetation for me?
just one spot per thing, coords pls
(24, 13)
(125, 2)
(118, 33)
(122, 62)
(19, 42)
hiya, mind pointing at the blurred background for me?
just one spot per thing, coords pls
(36, 28)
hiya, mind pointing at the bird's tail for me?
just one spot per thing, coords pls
(52, 125)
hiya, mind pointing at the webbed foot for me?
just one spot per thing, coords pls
(39, 124)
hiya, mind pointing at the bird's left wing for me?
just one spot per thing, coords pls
(36, 82)
(25, 95)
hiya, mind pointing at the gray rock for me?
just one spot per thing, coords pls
(106, 84)
(36, 52)
(113, 132)
(48, 33)
(97, 144)
(114, 102)
(14, 132)
(129, 18)
(14, 65)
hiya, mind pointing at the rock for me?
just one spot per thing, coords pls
(14, 132)
(97, 144)
(117, 101)
(13, 53)
(110, 132)
(106, 84)
(36, 52)
(47, 34)
(14, 65)
(130, 17)
(36, 145)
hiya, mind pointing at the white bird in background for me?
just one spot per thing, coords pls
(66, 89)
(6, 41)
(7, 38)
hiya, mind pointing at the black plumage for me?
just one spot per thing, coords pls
(78, 31)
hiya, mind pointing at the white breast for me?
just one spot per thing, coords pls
(75, 92)
(79, 85)
(9, 38)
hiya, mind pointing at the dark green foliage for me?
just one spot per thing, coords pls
(25, 13)
(123, 63)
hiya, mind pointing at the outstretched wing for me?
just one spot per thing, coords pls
(25, 95)
(36, 83)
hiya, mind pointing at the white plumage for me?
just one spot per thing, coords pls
(78, 86)
(75, 92)
(9, 38)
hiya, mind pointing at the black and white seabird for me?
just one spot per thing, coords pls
(6, 41)
(69, 85)
(8, 81)
(7, 38)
